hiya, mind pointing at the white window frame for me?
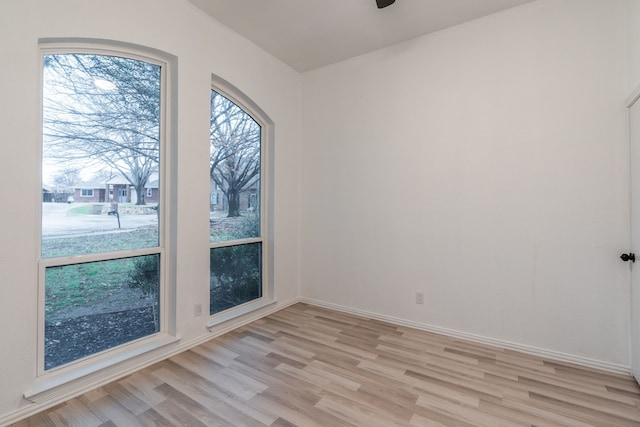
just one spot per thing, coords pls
(149, 192)
(86, 192)
(48, 381)
(229, 91)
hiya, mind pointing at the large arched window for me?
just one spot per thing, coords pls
(239, 134)
(102, 274)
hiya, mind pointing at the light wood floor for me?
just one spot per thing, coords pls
(309, 366)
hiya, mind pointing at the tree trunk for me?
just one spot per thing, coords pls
(234, 204)
(140, 192)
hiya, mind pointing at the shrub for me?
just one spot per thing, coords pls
(235, 276)
(145, 274)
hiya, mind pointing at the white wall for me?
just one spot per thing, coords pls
(502, 146)
(634, 50)
(202, 47)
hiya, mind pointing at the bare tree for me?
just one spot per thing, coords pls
(103, 111)
(235, 150)
(66, 178)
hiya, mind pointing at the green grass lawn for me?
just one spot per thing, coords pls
(80, 210)
(84, 284)
(90, 243)
(88, 283)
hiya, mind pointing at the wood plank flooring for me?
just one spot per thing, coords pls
(309, 366)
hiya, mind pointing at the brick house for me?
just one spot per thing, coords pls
(115, 189)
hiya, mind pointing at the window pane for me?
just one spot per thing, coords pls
(234, 173)
(236, 276)
(101, 149)
(96, 306)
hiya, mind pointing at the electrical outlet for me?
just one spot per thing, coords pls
(197, 310)
(419, 298)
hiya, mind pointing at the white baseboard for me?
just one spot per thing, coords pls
(547, 354)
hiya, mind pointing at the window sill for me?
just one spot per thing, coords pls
(234, 313)
(77, 375)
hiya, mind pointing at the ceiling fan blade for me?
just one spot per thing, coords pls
(384, 3)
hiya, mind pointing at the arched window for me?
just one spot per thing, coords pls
(239, 137)
(102, 257)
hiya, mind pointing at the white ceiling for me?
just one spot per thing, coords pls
(308, 34)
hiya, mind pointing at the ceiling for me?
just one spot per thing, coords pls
(308, 34)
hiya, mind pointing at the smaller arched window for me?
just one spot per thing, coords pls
(238, 207)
